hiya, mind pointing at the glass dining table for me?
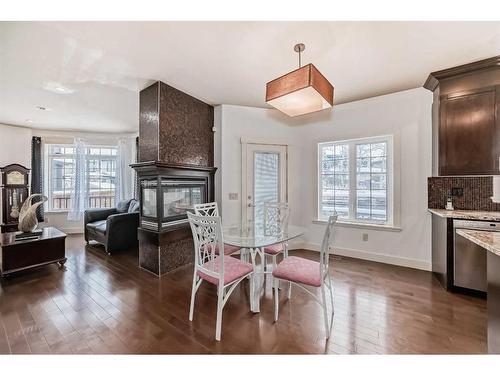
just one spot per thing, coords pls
(253, 239)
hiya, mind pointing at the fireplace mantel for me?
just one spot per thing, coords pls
(147, 166)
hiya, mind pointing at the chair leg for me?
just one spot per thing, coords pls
(275, 265)
(276, 299)
(325, 311)
(252, 291)
(218, 324)
(243, 255)
(331, 294)
(193, 296)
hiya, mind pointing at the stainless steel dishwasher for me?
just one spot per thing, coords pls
(469, 259)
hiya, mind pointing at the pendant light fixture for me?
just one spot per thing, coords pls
(301, 91)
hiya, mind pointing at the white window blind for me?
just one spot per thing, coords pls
(266, 182)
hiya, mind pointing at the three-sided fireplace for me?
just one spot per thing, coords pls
(168, 192)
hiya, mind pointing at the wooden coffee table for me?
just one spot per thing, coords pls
(18, 255)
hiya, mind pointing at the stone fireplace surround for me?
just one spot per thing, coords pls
(175, 142)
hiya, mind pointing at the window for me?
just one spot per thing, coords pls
(355, 180)
(101, 175)
(266, 182)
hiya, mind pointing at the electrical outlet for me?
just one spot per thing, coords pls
(365, 236)
(233, 196)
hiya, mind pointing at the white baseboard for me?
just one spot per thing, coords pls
(365, 255)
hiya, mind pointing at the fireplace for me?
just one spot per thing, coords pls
(166, 201)
(179, 197)
(175, 171)
(168, 192)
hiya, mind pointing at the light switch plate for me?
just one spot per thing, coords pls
(233, 196)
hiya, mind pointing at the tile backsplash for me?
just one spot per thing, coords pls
(476, 193)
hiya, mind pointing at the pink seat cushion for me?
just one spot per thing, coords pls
(228, 249)
(233, 270)
(299, 270)
(274, 249)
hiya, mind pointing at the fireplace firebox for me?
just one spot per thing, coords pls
(168, 192)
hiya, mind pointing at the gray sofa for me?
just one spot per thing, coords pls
(115, 228)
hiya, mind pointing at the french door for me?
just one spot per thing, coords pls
(264, 179)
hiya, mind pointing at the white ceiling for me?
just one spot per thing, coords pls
(101, 66)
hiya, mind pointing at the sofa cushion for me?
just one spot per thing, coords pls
(101, 228)
(122, 206)
(94, 224)
(134, 206)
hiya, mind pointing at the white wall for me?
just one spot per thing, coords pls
(406, 115)
(15, 147)
(255, 124)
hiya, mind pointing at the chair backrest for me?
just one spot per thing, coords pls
(207, 236)
(327, 244)
(206, 209)
(276, 216)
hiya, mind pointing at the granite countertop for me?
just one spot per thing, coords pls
(486, 239)
(467, 214)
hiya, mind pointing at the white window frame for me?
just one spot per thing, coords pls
(391, 216)
(48, 169)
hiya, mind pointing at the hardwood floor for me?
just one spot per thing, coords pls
(105, 304)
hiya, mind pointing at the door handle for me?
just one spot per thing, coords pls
(251, 205)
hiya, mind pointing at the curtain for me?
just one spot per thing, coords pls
(79, 194)
(125, 178)
(136, 179)
(37, 174)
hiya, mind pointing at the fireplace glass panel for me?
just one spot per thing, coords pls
(178, 200)
(149, 198)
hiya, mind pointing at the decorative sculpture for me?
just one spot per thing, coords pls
(27, 215)
(14, 211)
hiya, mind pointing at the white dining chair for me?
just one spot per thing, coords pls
(308, 273)
(225, 272)
(275, 222)
(206, 209)
(212, 209)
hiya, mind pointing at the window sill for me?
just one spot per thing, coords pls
(374, 226)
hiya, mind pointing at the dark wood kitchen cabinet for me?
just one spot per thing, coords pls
(466, 119)
(469, 133)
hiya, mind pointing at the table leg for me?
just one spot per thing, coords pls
(258, 286)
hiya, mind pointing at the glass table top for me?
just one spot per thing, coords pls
(247, 236)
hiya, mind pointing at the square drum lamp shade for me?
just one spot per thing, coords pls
(302, 91)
